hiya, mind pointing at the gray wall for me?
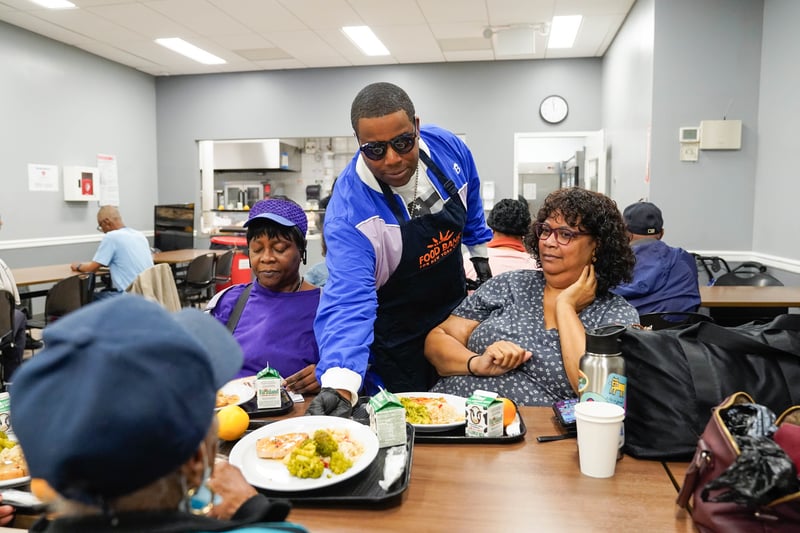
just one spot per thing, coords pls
(777, 187)
(488, 102)
(627, 105)
(62, 106)
(707, 54)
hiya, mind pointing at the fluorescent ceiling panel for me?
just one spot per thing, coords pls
(191, 51)
(365, 40)
(563, 31)
(54, 4)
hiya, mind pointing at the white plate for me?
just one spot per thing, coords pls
(240, 388)
(456, 401)
(272, 474)
(14, 482)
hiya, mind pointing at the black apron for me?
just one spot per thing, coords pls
(427, 285)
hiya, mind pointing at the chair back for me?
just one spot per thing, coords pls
(751, 274)
(672, 319)
(158, 284)
(200, 272)
(67, 295)
(6, 317)
(222, 268)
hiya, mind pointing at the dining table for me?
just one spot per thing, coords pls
(184, 255)
(747, 296)
(40, 275)
(524, 485)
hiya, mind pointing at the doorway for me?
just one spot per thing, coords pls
(544, 162)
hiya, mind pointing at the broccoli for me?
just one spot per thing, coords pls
(339, 463)
(304, 461)
(325, 443)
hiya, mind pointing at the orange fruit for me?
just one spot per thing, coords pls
(509, 411)
(42, 490)
(233, 422)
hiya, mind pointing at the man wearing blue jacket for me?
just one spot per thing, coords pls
(664, 278)
(394, 227)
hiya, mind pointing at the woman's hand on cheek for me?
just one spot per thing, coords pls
(581, 293)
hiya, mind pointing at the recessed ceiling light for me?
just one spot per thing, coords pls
(55, 4)
(563, 31)
(191, 51)
(366, 40)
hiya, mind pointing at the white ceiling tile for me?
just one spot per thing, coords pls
(307, 30)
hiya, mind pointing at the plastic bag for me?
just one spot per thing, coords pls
(763, 472)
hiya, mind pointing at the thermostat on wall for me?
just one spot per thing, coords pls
(689, 135)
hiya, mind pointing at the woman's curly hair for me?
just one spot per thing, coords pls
(598, 215)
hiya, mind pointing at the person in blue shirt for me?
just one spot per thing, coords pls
(664, 277)
(394, 227)
(123, 250)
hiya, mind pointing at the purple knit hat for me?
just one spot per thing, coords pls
(284, 212)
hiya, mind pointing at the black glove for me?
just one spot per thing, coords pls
(330, 402)
(482, 269)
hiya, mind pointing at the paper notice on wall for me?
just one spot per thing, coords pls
(487, 195)
(42, 177)
(109, 182)
(529, 191)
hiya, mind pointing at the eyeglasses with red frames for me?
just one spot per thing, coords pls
(402, 144)
(563, 235)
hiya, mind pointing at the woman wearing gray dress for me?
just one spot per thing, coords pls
(522, 333)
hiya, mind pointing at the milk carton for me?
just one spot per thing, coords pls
(268, 388)
(387, 419)
(484, 415)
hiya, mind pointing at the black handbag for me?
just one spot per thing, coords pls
(676, 376)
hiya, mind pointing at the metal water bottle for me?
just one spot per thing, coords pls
(601, 376)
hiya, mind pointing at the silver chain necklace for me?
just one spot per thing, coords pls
(414, 208)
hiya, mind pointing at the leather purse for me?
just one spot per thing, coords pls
(716, 451)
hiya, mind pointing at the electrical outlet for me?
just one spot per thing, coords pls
(311, 147)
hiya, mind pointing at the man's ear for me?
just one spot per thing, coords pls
(661, 234)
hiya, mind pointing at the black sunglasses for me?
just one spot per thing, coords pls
(402, 144)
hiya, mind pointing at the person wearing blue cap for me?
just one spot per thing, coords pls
(664, 277)
(273, 316)
(116, 414)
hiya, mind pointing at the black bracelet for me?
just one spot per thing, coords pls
(471, 373)
(78, 267)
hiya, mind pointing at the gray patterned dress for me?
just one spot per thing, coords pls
(510, 307)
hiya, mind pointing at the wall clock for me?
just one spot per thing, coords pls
(553, 109)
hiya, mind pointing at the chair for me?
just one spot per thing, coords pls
(750, 274)
(7, 305)
(222, 270)
(65, 296)
(666, 320)
(157, 284)
(195, 287)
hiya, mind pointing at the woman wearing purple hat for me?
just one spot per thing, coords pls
(272, 317)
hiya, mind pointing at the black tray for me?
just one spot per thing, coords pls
(451, 436)
(252, 409)
(360, 490)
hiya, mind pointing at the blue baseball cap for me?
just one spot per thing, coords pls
(122, 394)
(284, 212)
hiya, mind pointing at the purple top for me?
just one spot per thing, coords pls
(275, 328)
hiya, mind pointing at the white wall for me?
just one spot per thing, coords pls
(62, 106)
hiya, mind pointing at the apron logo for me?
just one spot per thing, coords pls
(456, 168)
(439, 248)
